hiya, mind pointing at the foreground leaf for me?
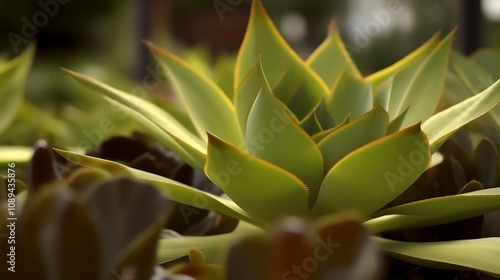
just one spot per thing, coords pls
(454, 254)
(172, 189)
(434, 211)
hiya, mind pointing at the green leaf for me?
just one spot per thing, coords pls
(156, 120)
(271, 135)
(382, 93)
(453, 255)
(373, 175)
(224, 74)
(350, 96)
(17, 154)
(434, 211)
(13, 76)
(331, 57)
(442, 125)
(417, 55)
(395, 124)
(475, 78)
(264, 190)
(292, 81)
(209, 107)
(172, 189)
(357, 133)
(426, 86)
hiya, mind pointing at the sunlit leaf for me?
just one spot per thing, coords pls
(424, 91)
(350, 96)
(438, 210)
(331, 57)
(440, 126)
(271, 135)
(417, 55)
(172, 189)
(209, 107)
(454, 254)
(361, 131)
(292, 81)
(154, 118)
(273, 194)
(373, 175)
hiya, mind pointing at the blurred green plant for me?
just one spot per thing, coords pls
(311, 138)
(13, 76)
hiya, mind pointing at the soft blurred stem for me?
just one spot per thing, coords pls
(214, 247)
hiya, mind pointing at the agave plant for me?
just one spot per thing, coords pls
(311, 138)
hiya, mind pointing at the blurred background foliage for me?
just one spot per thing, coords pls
(104, 39)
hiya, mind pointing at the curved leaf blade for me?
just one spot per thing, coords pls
(373, 175)
(331, 57)
(357, 133)
(265, 191)
(442, 125)
(434, 211)
(427, 85)
(209, 107)
(350, 96)
(273, 136)
(454, 254)
(154, 118)
(172, 189)
(292, 81)
(417, 55)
